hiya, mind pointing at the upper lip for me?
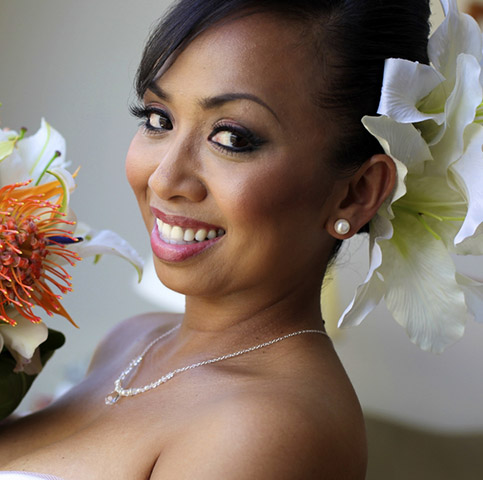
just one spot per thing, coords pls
(183, 222)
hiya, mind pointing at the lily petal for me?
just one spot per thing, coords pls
(368, 295)
(431, 307)
(371, 291)
(400, 141)
(469, 181)
(8, 139)
(405, 84)
(436, 205)
(445, 6)
(385, 210)
(472, 245)
(459, 33)
(36, 152)
(66, 180)
(108, 242)
(23, 339)
(473, 294)
(460, 110)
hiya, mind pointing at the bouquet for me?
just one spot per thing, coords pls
(39, 239)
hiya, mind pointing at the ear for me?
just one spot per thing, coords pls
(361, 195)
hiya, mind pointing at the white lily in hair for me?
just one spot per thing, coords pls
(430, 124)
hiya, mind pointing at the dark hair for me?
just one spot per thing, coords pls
(352, 39)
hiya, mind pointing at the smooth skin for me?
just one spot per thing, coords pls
(284, 412)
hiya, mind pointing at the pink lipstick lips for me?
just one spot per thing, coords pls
(175, 239)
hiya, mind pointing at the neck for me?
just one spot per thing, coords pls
(254, 314)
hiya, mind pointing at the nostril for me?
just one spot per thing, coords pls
(177, 182)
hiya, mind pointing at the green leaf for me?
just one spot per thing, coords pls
(6, 148)
(14, 386)
(54, 341)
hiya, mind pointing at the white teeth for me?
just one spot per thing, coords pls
(200, 235)
(166, 231)
(177, 235)
(189, 235)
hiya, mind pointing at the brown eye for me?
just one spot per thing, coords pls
(158, 121)
(234, 139)
(230, 140)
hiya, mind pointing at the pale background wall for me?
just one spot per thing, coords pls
(73, 62)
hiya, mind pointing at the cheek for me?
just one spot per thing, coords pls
(274, 196)
(137, 169)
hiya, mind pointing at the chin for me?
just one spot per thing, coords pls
(184, 280)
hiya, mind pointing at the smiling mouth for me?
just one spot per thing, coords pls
(175, 235)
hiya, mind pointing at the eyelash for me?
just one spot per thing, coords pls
(144, 114)
(254, 142)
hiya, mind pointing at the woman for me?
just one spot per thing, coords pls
(250, 167)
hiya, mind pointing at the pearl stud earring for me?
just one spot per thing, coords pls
(342, 226)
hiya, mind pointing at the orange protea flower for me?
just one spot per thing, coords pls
(33, 238)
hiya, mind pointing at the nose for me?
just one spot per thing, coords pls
(177, 175)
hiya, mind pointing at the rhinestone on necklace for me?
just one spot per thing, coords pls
(119, 391)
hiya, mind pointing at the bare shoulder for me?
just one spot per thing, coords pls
(267, 436)
(129, 333)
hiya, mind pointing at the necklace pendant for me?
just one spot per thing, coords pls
(119, 392)
(112, 398)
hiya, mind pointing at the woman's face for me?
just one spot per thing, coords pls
(232, 151)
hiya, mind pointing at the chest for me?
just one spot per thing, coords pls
(81, 437)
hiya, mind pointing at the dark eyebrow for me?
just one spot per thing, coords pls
(158, 91)
(213, 102)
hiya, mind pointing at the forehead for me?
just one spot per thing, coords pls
(260, 54)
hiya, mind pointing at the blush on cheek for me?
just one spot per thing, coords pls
(133, 167)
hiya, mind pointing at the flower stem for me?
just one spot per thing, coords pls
(57, 154)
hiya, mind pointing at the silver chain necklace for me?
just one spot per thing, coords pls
(119, 391)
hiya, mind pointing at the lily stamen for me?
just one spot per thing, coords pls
(427, 227)
(441, 218)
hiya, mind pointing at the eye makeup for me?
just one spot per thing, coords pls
(234, 139)
(155, 119)
(227, 137)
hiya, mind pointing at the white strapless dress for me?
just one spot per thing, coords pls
(26, 476)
